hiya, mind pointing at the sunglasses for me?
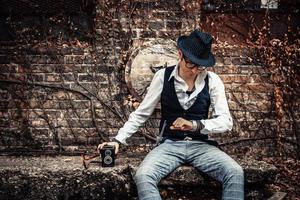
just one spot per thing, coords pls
(191, 65)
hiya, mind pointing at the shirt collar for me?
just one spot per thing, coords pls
(199, 78)
(175, 73)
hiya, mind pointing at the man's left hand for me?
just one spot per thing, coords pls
(181, 124)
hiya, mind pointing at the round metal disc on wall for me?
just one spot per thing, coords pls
(145, 61)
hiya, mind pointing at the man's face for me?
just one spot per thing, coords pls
(189, 67)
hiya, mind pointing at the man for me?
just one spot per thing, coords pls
(186, 92)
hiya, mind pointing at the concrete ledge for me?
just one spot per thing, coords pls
(63, 177)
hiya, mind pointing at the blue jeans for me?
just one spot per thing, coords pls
(207, 158)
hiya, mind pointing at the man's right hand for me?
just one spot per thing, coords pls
(115, 144)
(181, 124)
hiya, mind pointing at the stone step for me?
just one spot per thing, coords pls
(64, 177)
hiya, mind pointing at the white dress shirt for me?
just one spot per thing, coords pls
(220, 122)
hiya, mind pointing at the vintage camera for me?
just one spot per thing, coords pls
(108, 156)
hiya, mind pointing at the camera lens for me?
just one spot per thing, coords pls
(107, 152)
(107, 160)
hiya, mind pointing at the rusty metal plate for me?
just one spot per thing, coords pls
(145, 61)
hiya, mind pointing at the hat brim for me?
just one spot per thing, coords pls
(208, 62)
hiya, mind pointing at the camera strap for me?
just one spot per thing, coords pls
(159, 137)
(85, 159)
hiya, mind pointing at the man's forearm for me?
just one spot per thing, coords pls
(219, 124)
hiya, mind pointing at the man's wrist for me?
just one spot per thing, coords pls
(200, 126)
(194, 127)
(115, 140)
(197, 126)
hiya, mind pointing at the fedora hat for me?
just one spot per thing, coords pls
(197, 48)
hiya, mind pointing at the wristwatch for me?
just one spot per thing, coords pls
(197, 125)
(194, 127)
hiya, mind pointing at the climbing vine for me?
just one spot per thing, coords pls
(104, 50)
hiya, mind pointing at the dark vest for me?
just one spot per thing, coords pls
(171, 108)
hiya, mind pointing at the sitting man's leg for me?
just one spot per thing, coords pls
(217, 164)
(158, 163)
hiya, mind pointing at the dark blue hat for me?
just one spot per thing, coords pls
(197, 48)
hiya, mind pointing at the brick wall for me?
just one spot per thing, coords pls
(68, 96)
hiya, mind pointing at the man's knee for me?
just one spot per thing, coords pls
(144, 175)
(236, 171)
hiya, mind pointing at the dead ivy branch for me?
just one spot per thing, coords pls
(101, 134)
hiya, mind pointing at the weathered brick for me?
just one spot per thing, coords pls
(69, 104)
(4, 122)
(94, 140)
(69, 77)
(72, 50)
(4, 105)
(236, 79)
(4, 114)
(39, 123)
(156, 25)
(50, 104)
(85, 77)
(53, 77)
(78, 59)
(80, 123)
(103, 113)
(43, 59)
(36, 77)
(86, 87)
(67, 141)
(174, 24)
(227, 61)
(241, 61)
(4, 95)
(53, 114)
(4, 76)
(167, 15)
(71, 59)
(8, 68)
(78, 113)
(4, 59)
(231, 69)
(103, 78)
(260, 88)
(147, 34)
(249, 87)
(17, 76)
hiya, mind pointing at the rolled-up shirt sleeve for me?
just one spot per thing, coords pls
(221, 120)
(144, 111)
